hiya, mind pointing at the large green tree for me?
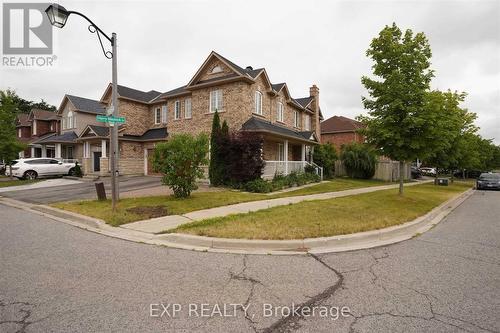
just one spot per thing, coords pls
(454, 125)
(398, 123)
(9, 145)
(25, 106)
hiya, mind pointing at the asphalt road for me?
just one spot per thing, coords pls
(58, 278)
(84, 190)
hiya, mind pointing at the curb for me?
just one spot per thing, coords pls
(341, 243)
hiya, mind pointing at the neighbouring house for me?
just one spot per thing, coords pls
(248, 101)
(36, 125)
(339, 130)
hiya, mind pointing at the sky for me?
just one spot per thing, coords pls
(161, 44)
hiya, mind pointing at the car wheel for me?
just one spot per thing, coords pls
(71, 172)
(30, 175)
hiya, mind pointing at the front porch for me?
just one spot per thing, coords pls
(284, 156)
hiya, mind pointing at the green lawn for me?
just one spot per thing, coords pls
(197, 201)
(15, 182)
(331, 217)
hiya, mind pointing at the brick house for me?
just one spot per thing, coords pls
(339, 130)
(248, 100)
(34, 126)
(244, 97)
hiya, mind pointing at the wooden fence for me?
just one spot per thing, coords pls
(385, 170)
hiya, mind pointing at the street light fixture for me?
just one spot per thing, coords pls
(58, 15)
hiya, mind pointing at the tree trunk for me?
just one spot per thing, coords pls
(463, 173)
(401, 177)
(10, 172)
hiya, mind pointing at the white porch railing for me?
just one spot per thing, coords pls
(271, 168)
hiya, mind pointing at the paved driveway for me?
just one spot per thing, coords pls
(83, 190)
(54, 277)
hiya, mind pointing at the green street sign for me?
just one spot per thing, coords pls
(110, 119)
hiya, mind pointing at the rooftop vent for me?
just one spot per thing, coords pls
(250, 68)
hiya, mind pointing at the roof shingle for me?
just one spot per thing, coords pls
(340, 124)
(87, 105)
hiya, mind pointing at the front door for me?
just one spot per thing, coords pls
(97, 161)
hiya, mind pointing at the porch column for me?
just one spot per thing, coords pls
(58, 151)
(32, 152)
(86, 149)
(285, 148)
(103, 148)
(303, 157)
(44, 151)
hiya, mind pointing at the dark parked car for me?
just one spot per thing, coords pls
(488, 181)
(415, 173)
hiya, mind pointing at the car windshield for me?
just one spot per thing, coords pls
(489, 176)
(13, 162)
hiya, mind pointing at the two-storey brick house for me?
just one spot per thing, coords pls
(34, 126)
(339, 130)
(248, 101)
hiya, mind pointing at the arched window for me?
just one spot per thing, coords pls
(70, 121)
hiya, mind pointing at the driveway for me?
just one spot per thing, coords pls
(54, 277)
(82, 190)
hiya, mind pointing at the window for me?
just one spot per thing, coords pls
(216, 69)
(307, 125)
(164, 114)
(177, 110)
(157, 116)
(187, 108)
(34, 127)
(51, 126)
(64, 123)
(216, 100)
(18, 132)
(296, 120)
(281, 152)
(70, 121)
(258, 102)
(279, 112)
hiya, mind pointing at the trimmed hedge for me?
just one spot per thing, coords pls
(280, 182)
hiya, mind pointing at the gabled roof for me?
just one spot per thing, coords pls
(22, 120)
(305, 101)
(137, 95)
(67, 137)
(340, 124)
(174, 92)
(86, 105)
(43, 115)
(259, 125)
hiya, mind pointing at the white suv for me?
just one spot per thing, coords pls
(32, 168)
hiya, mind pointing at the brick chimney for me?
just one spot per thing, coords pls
(314, 92)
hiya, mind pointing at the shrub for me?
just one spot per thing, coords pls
(77, 171)
(359, 160)
(180, 160)
(258, 186)
(216, 169)
(325, 156)
(244, 157)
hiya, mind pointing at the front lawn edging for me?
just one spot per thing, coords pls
(340, 243)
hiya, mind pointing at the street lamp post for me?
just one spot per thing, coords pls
(58, 15)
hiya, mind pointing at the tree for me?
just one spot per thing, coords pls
(245, 162)
(216, 167)
(25, 106)
(454, 124)
(180, 160)
(398, 123)
(9, 145)
(325, 156)
(359, 160)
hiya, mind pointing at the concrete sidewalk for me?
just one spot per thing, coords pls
(170, 222)
(40, 184)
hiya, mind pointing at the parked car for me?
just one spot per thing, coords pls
(428, 171)
(32, 168)
(415, 173)
(488, 181)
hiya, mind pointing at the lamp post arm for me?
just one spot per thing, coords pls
(93, 28)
